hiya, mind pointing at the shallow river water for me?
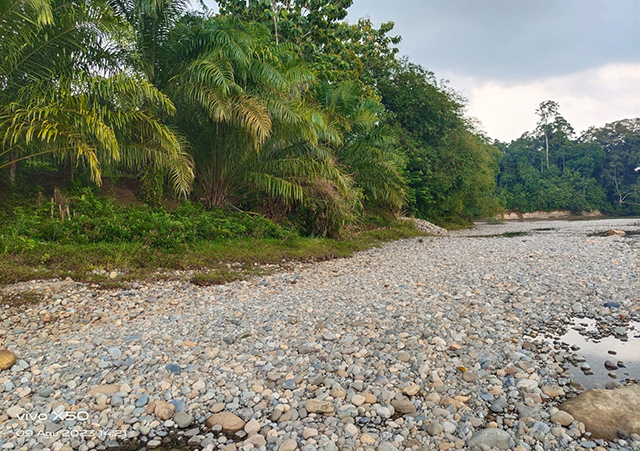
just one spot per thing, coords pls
(597, 351)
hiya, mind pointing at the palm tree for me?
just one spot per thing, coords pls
(253, 132)
(152, 21)
(369, 149)
(67, 91)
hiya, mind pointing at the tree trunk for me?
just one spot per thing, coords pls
(546, 139)
(12, 169)
(275, 25)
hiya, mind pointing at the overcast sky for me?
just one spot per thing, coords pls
(507, 56)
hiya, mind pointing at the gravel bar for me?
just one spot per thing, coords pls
(421, 344)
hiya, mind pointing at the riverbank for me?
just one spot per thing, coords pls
(203, 262)
(546, 215)
(422, 343)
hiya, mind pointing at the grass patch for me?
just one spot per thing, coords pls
(30, 297)
(94, 220)
(220, 276)
(100, 236)
(24, 298)
(207, 262)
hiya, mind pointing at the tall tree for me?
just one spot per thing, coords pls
(309, 24)
(446, 159)
(336, 50)
(246, 115)
(68, 94)
(548, 111)
(370, 149)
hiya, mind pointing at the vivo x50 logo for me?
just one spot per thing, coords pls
(62, 416)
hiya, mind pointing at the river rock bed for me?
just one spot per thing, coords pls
(421, 344)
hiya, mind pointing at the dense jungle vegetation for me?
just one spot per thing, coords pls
(152, 127)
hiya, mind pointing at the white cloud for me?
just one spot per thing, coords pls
(592, 97)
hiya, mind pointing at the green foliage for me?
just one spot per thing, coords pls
(336, 50)
(102, 220)
(251, 130)
(592, 172)
(327, 212)
(66, 97)
(369, 149)
(618, 177)
(451, 169)
(422, 107)
(151, 186)
(269, 106)
(213, 261)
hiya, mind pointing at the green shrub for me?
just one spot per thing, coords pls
(151, 186)
(101, 220)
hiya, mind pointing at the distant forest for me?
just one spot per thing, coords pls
(553, 168)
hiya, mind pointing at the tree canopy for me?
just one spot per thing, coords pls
(553, 169)
(275, 107)
(65, 95)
